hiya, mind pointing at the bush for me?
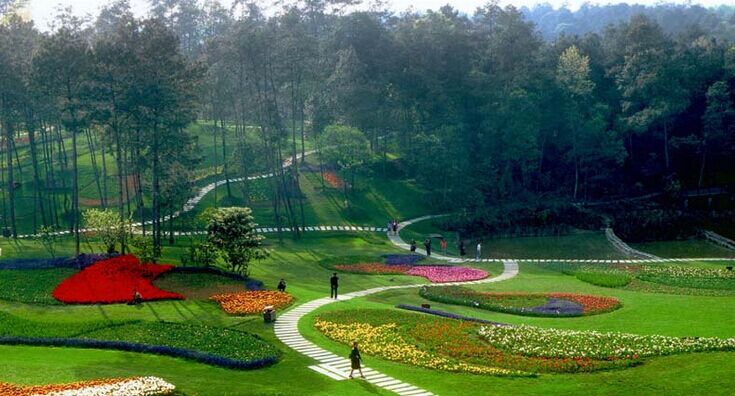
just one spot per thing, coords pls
(604, 279)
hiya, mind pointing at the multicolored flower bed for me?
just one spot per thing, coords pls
(252, 302)
(434, 273)
(114, 281)
(654, 278)
(530, 304)
(441, 343)
(569, 344)
(135, 386)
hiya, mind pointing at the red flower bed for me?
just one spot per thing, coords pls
(114, 281)
(590, 304)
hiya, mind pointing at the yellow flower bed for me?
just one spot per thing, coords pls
(386, 342)
(252, 302)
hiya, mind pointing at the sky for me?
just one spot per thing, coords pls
(43, 11)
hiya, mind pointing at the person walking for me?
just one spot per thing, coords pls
(413, 245)
(282, 285)
(355, 360)
(334, 283)
(427, 246)
(444, 246)
(478, 253)
(462, 249)
(395, 227)
(389, 227)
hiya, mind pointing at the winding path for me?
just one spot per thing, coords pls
(337, 367)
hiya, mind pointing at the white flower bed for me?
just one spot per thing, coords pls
(557, 343)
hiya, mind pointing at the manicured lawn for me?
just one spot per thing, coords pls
(31, 287)
(299, 263)
(688, 248)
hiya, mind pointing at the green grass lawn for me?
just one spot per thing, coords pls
(688, 248)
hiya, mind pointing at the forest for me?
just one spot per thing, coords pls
(504, 108)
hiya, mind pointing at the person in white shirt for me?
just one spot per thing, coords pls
(479, 251)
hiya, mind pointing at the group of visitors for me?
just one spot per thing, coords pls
(461, 247)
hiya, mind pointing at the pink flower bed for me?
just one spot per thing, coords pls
(441, 274)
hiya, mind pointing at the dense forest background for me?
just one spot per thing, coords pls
(504, 106)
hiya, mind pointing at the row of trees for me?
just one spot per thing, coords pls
(479, 108)
(125, 95)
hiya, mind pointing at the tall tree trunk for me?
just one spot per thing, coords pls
(224, 158)
(10, 179)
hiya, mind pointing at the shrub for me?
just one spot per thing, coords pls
(604, 279)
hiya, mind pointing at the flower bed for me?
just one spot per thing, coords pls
(654, 278)
(568, 344)
(387, 342)
(443, 274)
(252, 302)
(374, 268)
(82, 261)
(207, 344)
(445, 314)
(334, 181)
(114, 281)
(434, 273)
(441, 343)
(402, 259)
(530, 304)
(135, 386)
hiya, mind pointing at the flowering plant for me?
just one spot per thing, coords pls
(136, 386)
(531, 304)
(252, 302)
(115, 280)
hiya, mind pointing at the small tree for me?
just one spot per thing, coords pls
(48, 239)
(232, 232)
(143, 248)
(107, 224)
(204, 254)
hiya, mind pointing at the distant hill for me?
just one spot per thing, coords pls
(674, 18)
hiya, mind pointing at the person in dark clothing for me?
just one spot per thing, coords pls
(427, 246)
(395, 227)
(355, 360)
(413, 245)
(282, 285)
(462, 251)
(334, 282)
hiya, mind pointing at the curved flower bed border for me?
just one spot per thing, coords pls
(448, 315)
(201, 357)
(134, 386)
(114, 281)
(555, 305)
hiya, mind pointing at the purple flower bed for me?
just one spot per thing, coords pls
(402, 259)
(446, 314)
(559, 307)
(82, 261)
(441, 274)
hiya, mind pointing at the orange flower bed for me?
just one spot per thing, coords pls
(131, 386)
(333, 180)
(252, 302)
